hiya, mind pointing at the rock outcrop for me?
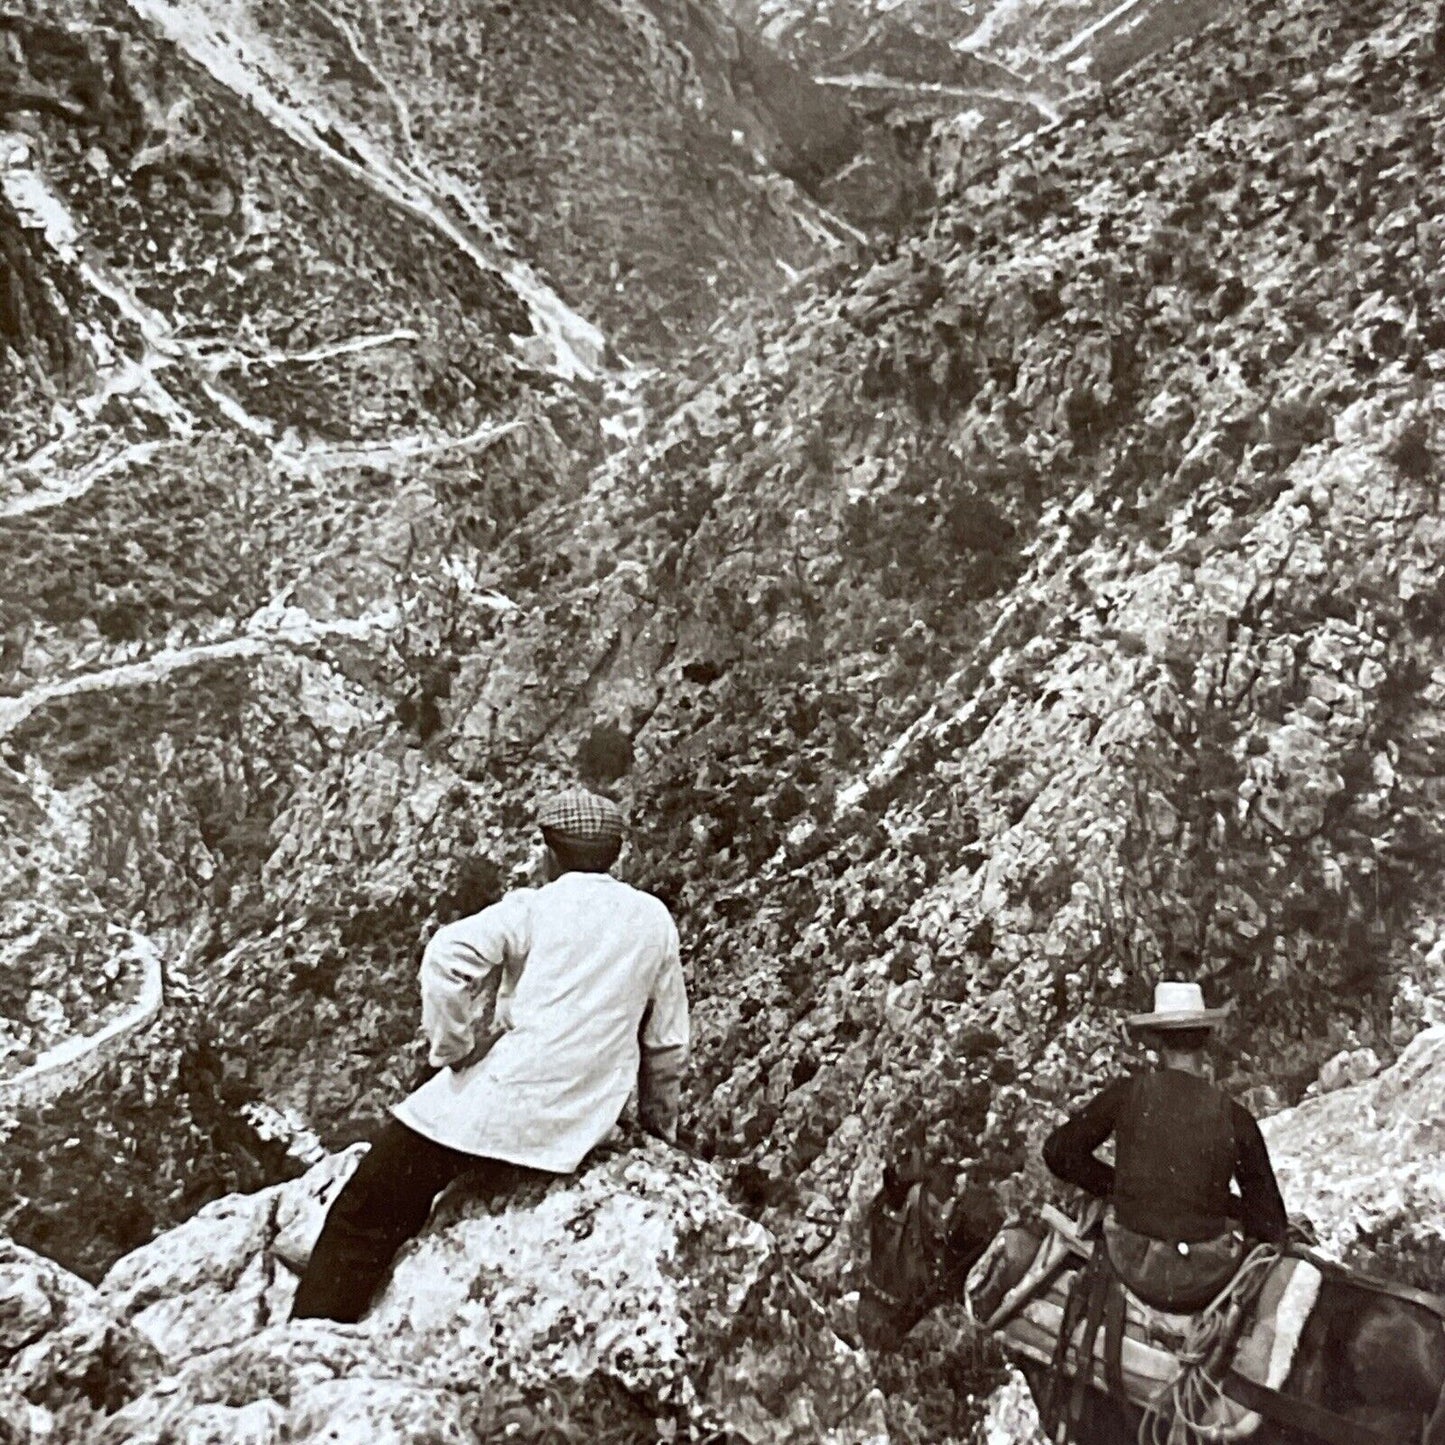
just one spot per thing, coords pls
(1364, 1165)
(634, 1293)
(66, 1358)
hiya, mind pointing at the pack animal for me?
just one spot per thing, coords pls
(1369, 1366)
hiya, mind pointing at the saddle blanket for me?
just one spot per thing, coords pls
(1031, 1318)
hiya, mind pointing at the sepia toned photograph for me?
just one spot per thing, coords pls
(722, 722)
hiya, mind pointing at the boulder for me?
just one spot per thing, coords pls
(631, 1294)
(1364, 1161)
(64, 1354)
(227, 1272)
(1349, 1066)
(1012, 1417)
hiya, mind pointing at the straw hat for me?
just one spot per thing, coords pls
(1178, 1006)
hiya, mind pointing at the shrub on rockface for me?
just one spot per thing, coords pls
(933, 1382)
(36, 330)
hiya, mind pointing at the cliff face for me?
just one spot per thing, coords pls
(1053, 604)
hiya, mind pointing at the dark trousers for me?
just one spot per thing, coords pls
(385, 1203)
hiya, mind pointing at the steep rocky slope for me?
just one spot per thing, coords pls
(1053, 599)
(1050, 598)
(634, 1304)
(939, 87)
(276, 381)
(621, 149)
(1127, 473)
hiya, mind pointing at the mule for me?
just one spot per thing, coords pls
(1366, 1357)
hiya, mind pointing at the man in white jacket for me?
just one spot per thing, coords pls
(590, 1002)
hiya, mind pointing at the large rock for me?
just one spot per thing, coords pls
(64, 1355)
(1367, 1163)
(221, 1276)
(633, 1292)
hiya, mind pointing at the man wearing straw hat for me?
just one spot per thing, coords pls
(1174, 1229)
(590, 1001)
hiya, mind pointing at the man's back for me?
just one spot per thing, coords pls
(1174, 1157)
(585, 960)
(1179, 1142)
(595, 950)
(589, 1000)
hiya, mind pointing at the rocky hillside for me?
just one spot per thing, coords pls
(1049, 601)
(284, 354)
(939, 87)
(1045, 599)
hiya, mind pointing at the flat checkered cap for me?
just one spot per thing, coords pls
(581, 817)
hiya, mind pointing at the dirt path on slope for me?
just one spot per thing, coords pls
(259, 642)
(74, 1061)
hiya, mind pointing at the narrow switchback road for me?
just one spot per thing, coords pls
(67, 1065)
(257, 643)
(244, 64)
(930, 89)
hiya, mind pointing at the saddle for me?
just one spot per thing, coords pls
(1071, 1313)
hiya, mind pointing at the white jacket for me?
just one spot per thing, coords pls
(591, 991)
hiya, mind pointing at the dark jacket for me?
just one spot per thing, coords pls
(1178, 1143)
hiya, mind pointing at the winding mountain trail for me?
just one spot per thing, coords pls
(261, 641)
(876, 80)
(75, 1061)
(1072, 47)
(36, 200)
(54, 484)
(71, 1063)
(78, 483)
(229, 358)
(331, 456)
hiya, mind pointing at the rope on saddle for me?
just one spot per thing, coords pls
(1181, 1413)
